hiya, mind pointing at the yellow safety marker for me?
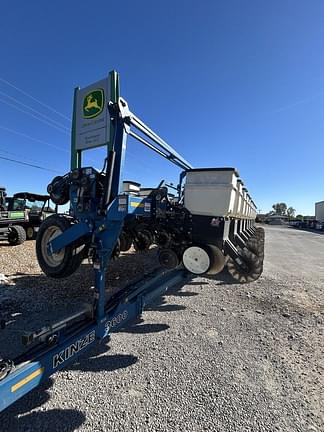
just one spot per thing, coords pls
(27, 379)
(136, 204)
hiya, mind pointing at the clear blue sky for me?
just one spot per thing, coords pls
(231, 83)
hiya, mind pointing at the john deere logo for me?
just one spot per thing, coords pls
(93, 103)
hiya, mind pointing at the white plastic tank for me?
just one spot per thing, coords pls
(319, 211)
(238, 199)
(131, 187)
(249, 206)
(211, 191)
(244, 207)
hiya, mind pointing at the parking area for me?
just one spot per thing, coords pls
(213, 355)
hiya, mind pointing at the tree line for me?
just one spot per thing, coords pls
(283, 210)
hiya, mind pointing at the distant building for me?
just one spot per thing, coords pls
(261, 217)
(319, 211)
(275, 219)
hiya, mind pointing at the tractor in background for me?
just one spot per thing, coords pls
(11, 222)
(38, 208)
(22, 214)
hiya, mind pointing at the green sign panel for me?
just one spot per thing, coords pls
(92, 119)
(93, 103)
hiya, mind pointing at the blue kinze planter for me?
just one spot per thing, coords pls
(209, 224)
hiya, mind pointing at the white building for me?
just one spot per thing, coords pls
(319, 211)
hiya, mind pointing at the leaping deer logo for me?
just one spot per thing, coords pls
(91, 103)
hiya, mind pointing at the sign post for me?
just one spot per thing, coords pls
(91, 124)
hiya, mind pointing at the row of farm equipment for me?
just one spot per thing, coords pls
(311, 222)
(207, 225)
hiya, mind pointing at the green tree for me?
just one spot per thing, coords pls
(300, 217)
(280, 208)
(291, 212)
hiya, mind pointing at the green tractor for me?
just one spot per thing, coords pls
(10, 222)
(22, 214)
(38, 207)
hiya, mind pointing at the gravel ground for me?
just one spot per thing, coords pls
(212, 355)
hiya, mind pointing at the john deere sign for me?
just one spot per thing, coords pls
(93, 103)
(92, 116)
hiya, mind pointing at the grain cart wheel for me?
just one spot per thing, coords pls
(65, 261)
(30, 233)
(17, 235)
(248, 269)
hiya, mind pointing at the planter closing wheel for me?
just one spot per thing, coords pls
(247, 268)
(65, 261)
(168, 258)
(203, 259)
(217, 261)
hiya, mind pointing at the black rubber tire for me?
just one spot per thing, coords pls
(260, 233)
(72, 257)
(143, 239)
(116, 252)
(163, 239)
(168, 258)
(253, 269)
(17, 235)
(30, 233)
(256, 247)
(125, 241)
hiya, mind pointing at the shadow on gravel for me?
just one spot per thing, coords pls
(160, 304)
(54, 420)
(224, 278)
(197, 283)
(181, 293)
(96, 361)
(166, 308)
(145, 328)
(14, 418)
(127, 268)
(107, 363)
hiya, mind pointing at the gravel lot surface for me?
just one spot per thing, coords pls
(212, 356)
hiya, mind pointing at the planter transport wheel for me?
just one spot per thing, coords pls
(17, 235)
(247, 268)
(64, 262)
